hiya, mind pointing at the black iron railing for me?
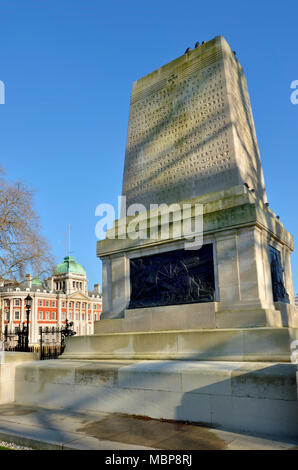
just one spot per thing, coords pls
(51, 340)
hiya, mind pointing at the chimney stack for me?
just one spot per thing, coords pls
(97, 288)
(29, 280)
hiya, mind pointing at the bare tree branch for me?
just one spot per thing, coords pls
(22, 247)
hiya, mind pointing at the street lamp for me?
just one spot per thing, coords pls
(28, 301)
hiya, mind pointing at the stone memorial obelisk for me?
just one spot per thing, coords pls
(202, 333)
(191, 139)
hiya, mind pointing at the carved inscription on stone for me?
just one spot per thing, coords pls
(179, 142)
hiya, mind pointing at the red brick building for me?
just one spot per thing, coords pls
(62, 296)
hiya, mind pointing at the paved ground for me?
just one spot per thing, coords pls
(60, 429)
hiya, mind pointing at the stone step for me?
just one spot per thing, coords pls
(190, 317)
(253, 397)
(237, 344)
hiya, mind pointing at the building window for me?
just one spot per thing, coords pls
(77, 316)
(63, 304)
(17, 302)
(89, 317)
(77, 305)
(53, 303)
(89, 306)
(47, 303)
(47, 315)
(7, 316)
(40, 315)
(83, 316)
(73, 284)
(40, 303)
(17, 315)
(6, 302)
(53, 315)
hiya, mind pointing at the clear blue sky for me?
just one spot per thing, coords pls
(68, 67)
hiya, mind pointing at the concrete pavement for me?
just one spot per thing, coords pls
(41, 428)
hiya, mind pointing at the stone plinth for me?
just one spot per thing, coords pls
(259, 398)
(238, 344)
(8, 363)
(240, 229)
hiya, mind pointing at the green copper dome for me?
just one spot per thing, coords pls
(69, 265)
(36, 282)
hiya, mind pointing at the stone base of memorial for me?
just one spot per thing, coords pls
(204, 335)
(199, 335)
(237, 278)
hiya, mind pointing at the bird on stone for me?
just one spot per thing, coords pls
(197, 44)
(187, 50)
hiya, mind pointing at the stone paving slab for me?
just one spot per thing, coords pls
(44, 428)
